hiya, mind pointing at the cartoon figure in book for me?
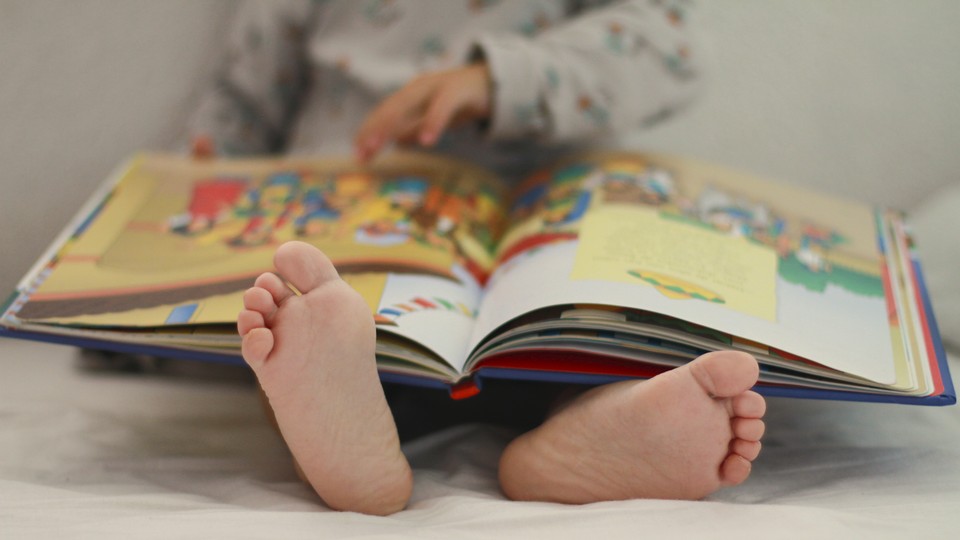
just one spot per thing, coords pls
(211, 202)
(815, 242)
(484, 218)
(530, 200)
(267, 209)
(395, 225)
(325, 204)
(459, 221)
(318, 212)
(717, 209)
(739, 217)
(436, 217)
(634, 182)
(759, 223)
(348, 192)
(774, 234)
(658, 186)
(618, 187)
(567, 198)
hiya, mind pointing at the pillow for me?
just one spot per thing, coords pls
(936, 231)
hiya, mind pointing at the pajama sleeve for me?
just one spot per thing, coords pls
(610, 69)
(261, 82)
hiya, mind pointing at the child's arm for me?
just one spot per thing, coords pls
(256, 93)
(608, 70)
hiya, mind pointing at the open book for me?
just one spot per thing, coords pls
(602, 267)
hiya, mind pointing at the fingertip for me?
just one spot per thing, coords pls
(360, 155)
(437, 117)
(428, 137)
(372, 146)
(368, 137)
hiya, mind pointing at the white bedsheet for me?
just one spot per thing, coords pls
(87, 455)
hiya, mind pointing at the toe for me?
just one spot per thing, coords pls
(256, 346)
(748, 429)
(303, 265)
(275, 286)
(748, 450)
(247, 320)
(749, 405)
(259, 300)
(734, 470)
(725, 373)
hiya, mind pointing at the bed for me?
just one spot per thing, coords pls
(187, 452)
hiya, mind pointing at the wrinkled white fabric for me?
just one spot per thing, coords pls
(88, 455)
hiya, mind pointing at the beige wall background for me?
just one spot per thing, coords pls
(857, 97)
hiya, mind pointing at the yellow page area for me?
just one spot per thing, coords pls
(178, 232)
(215, 309)
(633, 245)
(131, 246)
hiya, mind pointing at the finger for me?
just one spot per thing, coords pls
(365, 149)
(393, 115)
(463, 94)
(368, 141)
(409, 133)
(406, 133)
(440, 111)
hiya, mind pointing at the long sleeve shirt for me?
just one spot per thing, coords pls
(300, 76)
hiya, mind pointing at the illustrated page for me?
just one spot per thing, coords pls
(179, 240)
(768, 262)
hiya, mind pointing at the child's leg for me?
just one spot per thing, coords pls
(517, 405)
(681, 435)
(314, 357)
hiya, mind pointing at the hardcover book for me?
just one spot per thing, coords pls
(602, 267)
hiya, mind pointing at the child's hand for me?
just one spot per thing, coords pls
(420, 111)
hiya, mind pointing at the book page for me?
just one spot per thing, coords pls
(767, 262)
(623, 243)
(179, 240)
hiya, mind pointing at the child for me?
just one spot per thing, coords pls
(505, 71)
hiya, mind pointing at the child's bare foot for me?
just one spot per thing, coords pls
(681, 435)
(314, 357)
